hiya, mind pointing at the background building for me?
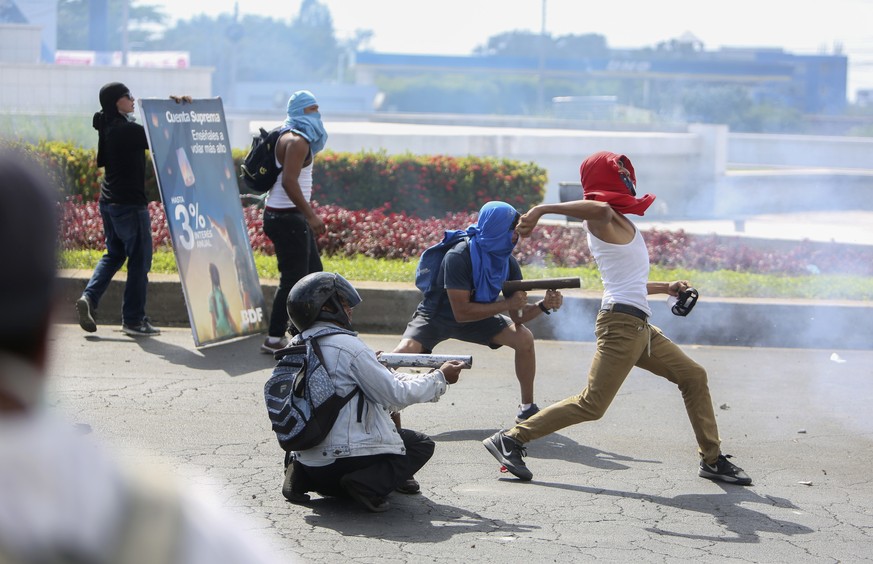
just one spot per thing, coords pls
(811, 84)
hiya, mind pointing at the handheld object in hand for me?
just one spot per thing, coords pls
(685, 302)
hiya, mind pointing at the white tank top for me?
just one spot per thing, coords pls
(278, 198)
(624, 270)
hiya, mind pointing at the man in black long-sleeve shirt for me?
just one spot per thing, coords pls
(124, 209)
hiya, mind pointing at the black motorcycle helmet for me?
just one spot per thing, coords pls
(308, 297)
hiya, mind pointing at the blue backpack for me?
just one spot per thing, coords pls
(429, 264)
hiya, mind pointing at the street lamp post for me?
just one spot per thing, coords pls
(541, 102)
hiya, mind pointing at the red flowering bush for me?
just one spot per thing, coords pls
(82, 226)
(555, 245)
(382, 233)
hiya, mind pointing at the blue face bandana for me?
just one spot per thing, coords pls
(308, 126)
(490, 247)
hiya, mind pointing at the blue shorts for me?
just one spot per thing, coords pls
(431, 331)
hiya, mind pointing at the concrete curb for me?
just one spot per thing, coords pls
(386, 308)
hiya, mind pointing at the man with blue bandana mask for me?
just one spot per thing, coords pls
(464, 302)
(289, 221)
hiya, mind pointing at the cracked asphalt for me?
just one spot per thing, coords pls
(622, 489)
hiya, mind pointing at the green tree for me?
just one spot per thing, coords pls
(716, 104)
(257, 48)
(253, 48)
(313, 36)
(516, 44)
(444, 94)
(736, 107)
(74, 24)
(770, 118)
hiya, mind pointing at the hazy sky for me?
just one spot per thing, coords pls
(456, 27)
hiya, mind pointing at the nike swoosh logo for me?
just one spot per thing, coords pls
(503, 449)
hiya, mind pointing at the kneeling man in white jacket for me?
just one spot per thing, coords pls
(364, 456)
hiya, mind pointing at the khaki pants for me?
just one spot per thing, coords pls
(623, 341)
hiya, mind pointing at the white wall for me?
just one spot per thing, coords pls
(34, 88)
(19, 43)
(678, 167)
(801, 151)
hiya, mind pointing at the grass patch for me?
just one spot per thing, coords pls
(723, 283)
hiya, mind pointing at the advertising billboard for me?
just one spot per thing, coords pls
(198, 185)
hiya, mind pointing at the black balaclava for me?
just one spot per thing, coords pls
(109, 95)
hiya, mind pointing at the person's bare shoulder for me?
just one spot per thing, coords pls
(293, 148)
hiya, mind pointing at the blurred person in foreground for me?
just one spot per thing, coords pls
(364, 456)
(63, 498)
(289, 221)
(121, 147)
(625, 338)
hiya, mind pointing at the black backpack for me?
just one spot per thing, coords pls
(258, 171)
(301, 396)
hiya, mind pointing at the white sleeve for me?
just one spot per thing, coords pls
(395, 389)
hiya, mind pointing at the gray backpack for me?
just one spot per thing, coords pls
(301, 396)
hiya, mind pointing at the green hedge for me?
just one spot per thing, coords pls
(71, 167)
(419, 185)
(425, 186)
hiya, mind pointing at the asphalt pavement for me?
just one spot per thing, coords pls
(621, 489)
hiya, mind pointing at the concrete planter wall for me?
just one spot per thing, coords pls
(386, 308)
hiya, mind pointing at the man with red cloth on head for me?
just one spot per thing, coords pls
(624, 336)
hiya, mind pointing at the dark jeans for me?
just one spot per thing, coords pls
(296, 256)
(375, 476)
(128, 233)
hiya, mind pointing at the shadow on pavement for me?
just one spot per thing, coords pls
(413, 519)
(727, 509)
(234, 358)
(553, 447)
